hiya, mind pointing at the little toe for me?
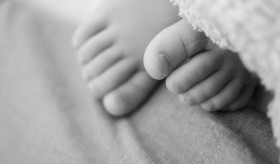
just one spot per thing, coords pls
(113, 77)
(130, 95)
(244, 97)
(172, 47)
(88, 29)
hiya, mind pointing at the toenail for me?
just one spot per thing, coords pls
(188, 99)
(164, 64)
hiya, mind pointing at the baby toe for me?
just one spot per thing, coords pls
(198, 69)
(129, 95)
(101, 63)
(88, 29)
(112, 77)
(225, 97)
(95, 46)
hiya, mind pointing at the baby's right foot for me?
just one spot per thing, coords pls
(198, 71)
(111, 45)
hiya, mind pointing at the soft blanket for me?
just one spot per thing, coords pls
(48, 116)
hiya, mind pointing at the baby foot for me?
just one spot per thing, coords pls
(111, 45)
(198, 71)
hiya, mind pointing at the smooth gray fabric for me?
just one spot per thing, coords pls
(48, 116)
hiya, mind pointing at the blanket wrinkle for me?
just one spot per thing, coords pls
(47, 114)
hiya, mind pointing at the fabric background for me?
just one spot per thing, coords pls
(48, 116)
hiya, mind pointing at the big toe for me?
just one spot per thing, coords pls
(130, 95)
(171, 47)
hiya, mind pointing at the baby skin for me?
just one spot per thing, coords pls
(110, 46)
(198, 71)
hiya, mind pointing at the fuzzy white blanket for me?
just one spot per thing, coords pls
(47, 115)
(250, 27)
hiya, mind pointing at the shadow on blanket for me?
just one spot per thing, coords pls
(48, 116)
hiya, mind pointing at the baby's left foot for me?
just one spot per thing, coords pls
(111, 45)
(197, 70)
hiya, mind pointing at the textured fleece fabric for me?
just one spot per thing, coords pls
(47, 115)
(249, 27)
